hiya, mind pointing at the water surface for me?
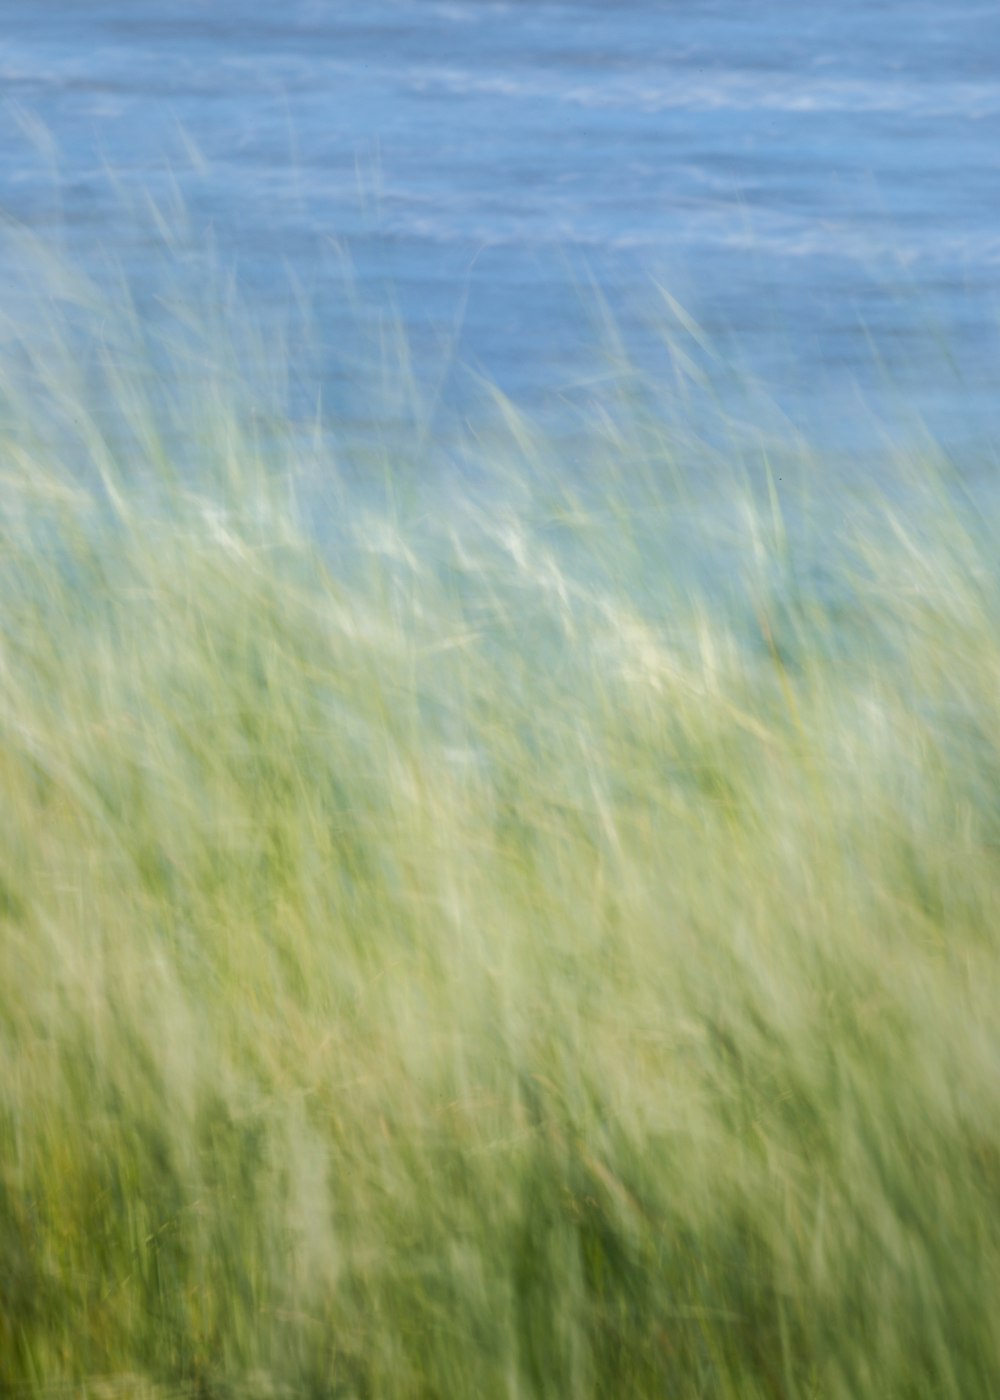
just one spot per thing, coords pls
(816, 184)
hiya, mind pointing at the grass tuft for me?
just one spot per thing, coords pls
(475, 959)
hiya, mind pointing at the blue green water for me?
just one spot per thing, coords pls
(816, 184)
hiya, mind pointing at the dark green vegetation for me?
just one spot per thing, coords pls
(467, 964)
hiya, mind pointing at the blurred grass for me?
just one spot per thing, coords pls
(473, 958)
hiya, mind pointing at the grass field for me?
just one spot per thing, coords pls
(475, 960)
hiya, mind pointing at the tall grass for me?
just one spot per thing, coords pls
(471, 959)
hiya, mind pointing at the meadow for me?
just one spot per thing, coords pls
(479, 955)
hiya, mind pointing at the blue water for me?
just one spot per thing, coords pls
(816, 184)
